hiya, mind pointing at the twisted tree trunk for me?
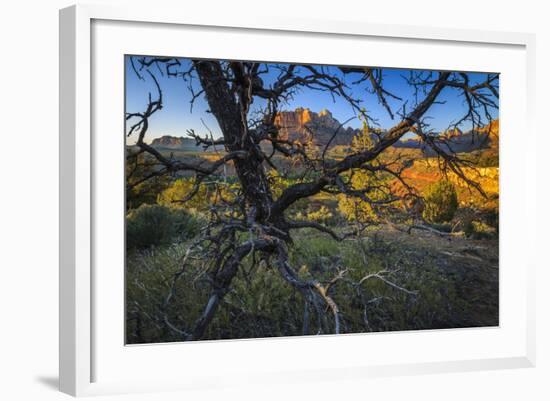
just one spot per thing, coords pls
(227, 107)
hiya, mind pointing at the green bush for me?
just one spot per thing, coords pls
(441, 202)
(138, 167)
(180, 189)
(481, 230)
(155, 225)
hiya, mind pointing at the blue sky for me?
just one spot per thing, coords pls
(176, 117)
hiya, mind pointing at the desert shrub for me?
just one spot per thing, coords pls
(482, 227)
(179, 190)
(212, 192)
(357, 209)
(321, 214)
(441, 202)
(155, 225)
(481, 230)
(139, 192)
(278, 182)
(369, 183)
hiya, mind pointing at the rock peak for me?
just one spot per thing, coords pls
(307, 126)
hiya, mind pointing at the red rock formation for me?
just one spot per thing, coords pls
(306, 126)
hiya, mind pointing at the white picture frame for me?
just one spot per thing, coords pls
(79, 346)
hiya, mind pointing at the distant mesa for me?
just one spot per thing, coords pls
(460, 142)
(172, 142)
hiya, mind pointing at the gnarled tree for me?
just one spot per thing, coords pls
(259, 222)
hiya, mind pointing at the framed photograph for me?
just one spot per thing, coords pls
(278, 200)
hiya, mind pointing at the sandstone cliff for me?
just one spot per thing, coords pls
(307, 126)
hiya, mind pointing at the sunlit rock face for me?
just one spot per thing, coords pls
(456, 141)
(481, 138)
(306, 126)
(493, 130)
(452, 133)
